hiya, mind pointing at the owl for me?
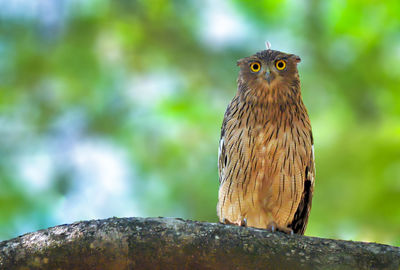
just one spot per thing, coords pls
(266, 152)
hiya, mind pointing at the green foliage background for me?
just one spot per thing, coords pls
(126, 98)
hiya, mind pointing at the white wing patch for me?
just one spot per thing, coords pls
(221, 144)
(221, 165)
(313, 160)
(312, 148)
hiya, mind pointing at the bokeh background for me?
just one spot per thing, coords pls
(113, 108)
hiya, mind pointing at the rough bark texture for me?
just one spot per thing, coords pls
(170, 243)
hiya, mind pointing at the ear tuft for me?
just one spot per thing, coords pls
(296, 58)
(240, 61)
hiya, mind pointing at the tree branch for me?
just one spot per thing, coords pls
(169, 243)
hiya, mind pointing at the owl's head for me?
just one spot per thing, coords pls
(269, 70)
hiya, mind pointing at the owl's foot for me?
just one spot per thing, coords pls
(240, 222)
(272, 226)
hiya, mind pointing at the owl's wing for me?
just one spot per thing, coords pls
(222, 153)
(300, 219)
(222, 157)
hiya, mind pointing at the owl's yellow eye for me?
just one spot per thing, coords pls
(255, 67)
(280, 64)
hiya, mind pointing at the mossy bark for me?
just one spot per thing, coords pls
(170, 243)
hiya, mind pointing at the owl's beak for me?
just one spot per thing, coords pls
(268, 75)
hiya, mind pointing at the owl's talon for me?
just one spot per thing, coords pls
(239, 222)
(244, 222)
(273, 227)
(285, 230)
(227, 222)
